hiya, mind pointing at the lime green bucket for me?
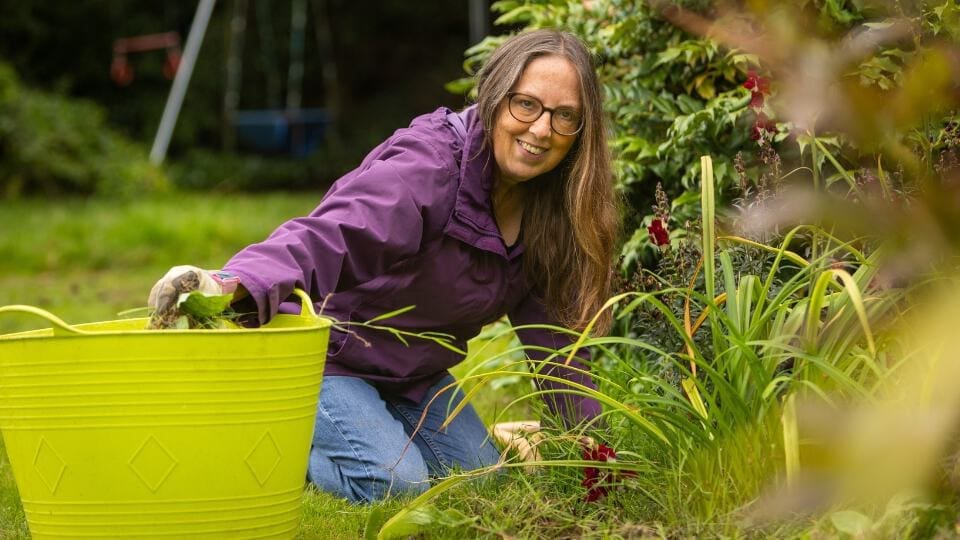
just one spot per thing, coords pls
(116, 431)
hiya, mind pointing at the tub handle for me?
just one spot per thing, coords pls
(306, 305)
(60, 328)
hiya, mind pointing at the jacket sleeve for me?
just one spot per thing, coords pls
(368, 221)
(572, 409)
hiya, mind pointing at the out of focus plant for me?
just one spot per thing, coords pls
(852, 84)
(202, 170)
(52, 145)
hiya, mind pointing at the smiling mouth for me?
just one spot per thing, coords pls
(535, 150)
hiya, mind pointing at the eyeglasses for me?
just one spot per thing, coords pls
(564, 120)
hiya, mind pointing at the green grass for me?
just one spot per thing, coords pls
(103, 234)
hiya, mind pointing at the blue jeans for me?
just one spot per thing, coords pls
(362, 448)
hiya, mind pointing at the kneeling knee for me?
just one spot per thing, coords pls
(406, 480)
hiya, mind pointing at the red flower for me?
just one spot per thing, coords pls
(601, 453)
(598, 484)
(658, 233)
(591, 481)
(759, 87)
(757, 84)
(762, 124)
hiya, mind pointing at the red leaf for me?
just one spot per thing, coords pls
(757, 84)
(660, 237)
(761, 124)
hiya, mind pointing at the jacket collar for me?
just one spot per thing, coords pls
(472, 219)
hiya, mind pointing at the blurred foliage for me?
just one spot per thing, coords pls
(382, 78)
(77, 63)
(205, 170)
(53, 145)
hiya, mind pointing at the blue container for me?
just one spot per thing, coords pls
(276, 131)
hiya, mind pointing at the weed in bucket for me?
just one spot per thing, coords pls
(179, 304)
(196, 310)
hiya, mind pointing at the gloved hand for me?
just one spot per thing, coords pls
(521, 438)
(183, 279)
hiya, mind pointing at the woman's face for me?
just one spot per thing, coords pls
(523, 151)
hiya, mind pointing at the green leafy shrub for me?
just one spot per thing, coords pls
(53, 145)
(225, 172)
(202, 170)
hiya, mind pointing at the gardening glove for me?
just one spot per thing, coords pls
(520, 438)
(183, 279)
(599, 481)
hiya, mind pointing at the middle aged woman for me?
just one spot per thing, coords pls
(504, 208)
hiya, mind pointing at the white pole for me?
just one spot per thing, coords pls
(170, 112)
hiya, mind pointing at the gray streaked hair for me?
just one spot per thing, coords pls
(571, 219)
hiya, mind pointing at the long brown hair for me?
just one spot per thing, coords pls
(571, 218)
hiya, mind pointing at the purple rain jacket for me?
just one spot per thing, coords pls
(411, 226)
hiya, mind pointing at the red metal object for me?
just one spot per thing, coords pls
(149, 42)
(120, 69)
(171, 64)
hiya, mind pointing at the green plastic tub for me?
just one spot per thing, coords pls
(117, 431)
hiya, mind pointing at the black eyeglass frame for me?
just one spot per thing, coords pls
(543, 109)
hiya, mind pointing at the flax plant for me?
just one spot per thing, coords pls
(811, 335)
